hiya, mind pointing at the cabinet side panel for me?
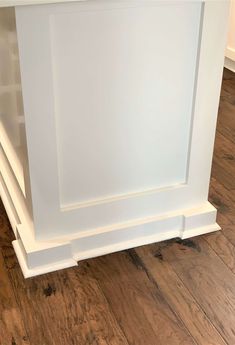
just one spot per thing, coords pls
(12, 120)
(54, 80)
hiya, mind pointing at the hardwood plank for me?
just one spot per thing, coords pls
(209, 280)
(38, 315)
(224, 201)
(95, 306)
(228, 85)
(137, 303)
(223, 175)
(178, 296)
(226, 122)
(226, 115)
(65, 307)
(12, 330)
(223, 248)
(60, 311)
(224, 161)
(222, 198)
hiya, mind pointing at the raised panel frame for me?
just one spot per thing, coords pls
(101, 58)
(50, 220)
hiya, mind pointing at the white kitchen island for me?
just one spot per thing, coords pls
(107, 122)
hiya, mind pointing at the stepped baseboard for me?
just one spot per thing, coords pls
(37, 257)
(229, 64)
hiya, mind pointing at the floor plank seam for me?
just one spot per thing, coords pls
(151, 278)
(221, 259)
(111, 309)
(199, 306)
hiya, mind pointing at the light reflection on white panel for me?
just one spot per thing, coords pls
(124, 81)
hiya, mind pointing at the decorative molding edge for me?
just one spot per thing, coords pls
(63, 255)
(37, 257)
(229, 64)
(230, 53)
(124, 196)
(32, 272)
(12, 158)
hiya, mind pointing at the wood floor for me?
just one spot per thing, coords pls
(173, 293)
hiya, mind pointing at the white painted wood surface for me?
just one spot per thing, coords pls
(13, 3)
(120, 104)
(108, 109)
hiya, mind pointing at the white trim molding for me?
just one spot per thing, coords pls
(229, 64)
(38, 257)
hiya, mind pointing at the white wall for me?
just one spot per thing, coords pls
(230, 50)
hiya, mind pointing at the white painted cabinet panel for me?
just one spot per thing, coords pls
(120, 101)
(13, 149)
(116, 106)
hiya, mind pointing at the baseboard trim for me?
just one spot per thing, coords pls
(200, 231)
(145, 241)
(103, 250)
(39, 257)
(32, 272)
(229, 64)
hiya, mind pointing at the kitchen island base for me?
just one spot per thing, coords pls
(108, 117)
(39, 257)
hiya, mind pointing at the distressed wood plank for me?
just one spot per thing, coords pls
(224, 161)
(224, 200)
(209, 280)
(226, 122)
(65, 307)
(137, 302)
(178, 296)
(12, 330)
(223, 248)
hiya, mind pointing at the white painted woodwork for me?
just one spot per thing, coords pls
(230, 50)
(111, 105)
(12, 124)
(10, 3)
(119, 110)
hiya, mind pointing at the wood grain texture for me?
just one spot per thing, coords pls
(223, 248)
(65, 307)
(209, 280)
(226, 116)
(12, 330)
(178, 296)
(171, 293)
(224, 159)
(137, 302)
